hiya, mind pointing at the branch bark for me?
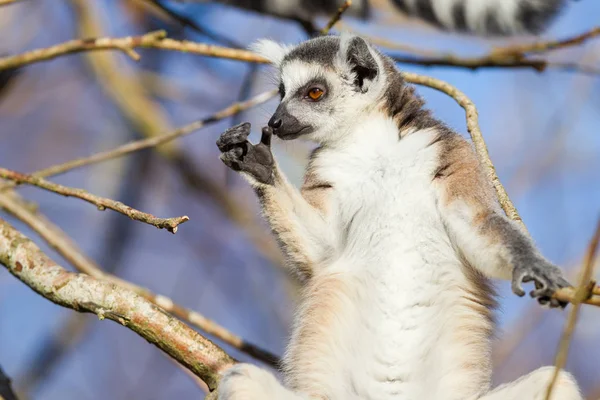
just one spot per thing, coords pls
(128, 44)
(154, 141)
(83, 293)
(504, 57)
(170, 224)
(336, 17)
(59, 241)
(582, 293)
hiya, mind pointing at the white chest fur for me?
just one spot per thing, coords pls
(377, 318)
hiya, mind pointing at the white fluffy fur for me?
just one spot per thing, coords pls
(391, 312)
(271, 50)
(395, 290)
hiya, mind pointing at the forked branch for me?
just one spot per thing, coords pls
(83, 293)
(170, 224)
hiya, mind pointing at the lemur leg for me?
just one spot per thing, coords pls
(301, 230)
(534, 385)
(248, 382)
(479, 229)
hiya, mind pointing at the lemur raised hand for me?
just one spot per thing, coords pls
(395, 232)
(480, 17)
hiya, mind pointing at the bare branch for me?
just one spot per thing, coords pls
(149, 118)
(138, 145)
(59, 241)
(83, 293)
(583, 292)
(570, 295)
(490, 61)
(102, 203)
(7, 2)
(505, 57)
(565, 294)
(156, 40)
(519, 51)
(514, 56)
(336, 17)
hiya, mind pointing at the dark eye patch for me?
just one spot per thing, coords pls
(318, 82)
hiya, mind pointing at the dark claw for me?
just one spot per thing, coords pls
(546, 277)
(517, 288)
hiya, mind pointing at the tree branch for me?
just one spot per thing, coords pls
(7, 2)
(505, 57)
(155, 40)
(336, 17)
(149, 118)
(154, 141)
(170, 224)
(59, 241)
(83, 293)
(565, 294)
(582, 293)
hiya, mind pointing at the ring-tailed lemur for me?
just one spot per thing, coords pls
(482, 17)
(395, 233)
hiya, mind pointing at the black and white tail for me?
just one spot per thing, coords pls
(485, 17)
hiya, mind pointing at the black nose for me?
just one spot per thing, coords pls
(275, 122)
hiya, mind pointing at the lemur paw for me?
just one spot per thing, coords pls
(254, 160)
(547, 278)
(248, 382)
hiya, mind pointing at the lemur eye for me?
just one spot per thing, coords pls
(315, 93)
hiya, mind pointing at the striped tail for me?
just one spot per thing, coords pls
(485, 17)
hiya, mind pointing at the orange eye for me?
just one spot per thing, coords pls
(315, 94)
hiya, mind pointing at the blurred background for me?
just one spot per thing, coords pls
(542, 130)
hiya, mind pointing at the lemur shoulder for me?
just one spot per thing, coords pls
(479, 17)
(395, 233)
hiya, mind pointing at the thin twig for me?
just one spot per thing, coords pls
(59, 241)
(102, 203)
(138, 145)
(156, 40)
(488, 61)
(519, 51)
(583, 292)
(514, 56)
(336, 17)
(83, 293)
(150, 120)
(507, 57)
(570, 294)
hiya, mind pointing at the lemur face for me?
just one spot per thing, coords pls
(325, 84)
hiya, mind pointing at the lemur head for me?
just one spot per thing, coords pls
(326, 85)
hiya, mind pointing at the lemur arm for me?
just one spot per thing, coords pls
(300, 228)
(479, 229)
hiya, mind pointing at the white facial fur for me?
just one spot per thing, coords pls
(344, 102)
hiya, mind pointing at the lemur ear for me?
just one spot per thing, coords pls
(360, 59)
(272, 51)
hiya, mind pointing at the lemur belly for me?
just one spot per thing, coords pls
(380, 317)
